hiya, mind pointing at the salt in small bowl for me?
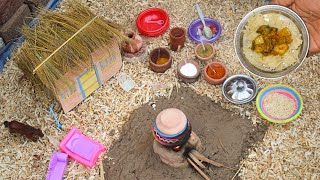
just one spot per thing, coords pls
(182, 73)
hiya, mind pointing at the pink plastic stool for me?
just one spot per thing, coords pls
(81, 148)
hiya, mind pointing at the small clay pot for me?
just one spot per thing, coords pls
(135, 44)
(171, 122)
(188, 79)
(156, 54)
(212, 80)
(207, 56)
(177, 38)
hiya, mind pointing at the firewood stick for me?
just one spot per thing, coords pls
(199, 163)
(198, 169)
(203, 158)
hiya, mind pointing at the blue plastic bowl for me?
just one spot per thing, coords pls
(197, 24)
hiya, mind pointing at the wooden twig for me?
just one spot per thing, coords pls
(203, 158)
(198, 169)
(199, 163)
(237, 172)
(30, 115)
(179, 47)
(222, 146)
(101, 170)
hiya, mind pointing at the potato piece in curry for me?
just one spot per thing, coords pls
(271, 41)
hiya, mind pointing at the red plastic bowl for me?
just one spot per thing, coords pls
(152, 29)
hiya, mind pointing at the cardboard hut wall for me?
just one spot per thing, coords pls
(106, 63)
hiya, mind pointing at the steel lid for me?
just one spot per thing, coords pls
(239, 89)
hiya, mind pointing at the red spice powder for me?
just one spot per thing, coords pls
(219, 71)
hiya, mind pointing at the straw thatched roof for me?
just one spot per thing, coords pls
(61, 41)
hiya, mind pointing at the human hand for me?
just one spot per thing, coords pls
(309, 11)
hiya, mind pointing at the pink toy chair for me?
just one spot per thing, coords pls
(81, 148)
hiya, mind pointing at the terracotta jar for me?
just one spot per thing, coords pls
(215, 72)
(172, 128)
(135, 45)
(160, 60)
(188, 71)
(177, 38)
(171, 122)
(205, 54)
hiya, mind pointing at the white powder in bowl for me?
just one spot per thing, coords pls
(188, 70)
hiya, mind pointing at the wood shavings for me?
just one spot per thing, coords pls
(287, 153)
(53, 141)
(101, 170)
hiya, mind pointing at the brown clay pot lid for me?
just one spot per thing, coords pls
(171, 121)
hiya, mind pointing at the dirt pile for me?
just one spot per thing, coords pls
(226, 138)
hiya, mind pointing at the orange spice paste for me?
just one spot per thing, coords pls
(219, 71)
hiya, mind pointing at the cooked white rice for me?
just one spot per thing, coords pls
(278, 105)
(271, 63)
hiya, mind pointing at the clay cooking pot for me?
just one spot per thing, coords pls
(156, 54)
(188, 79)
(208, 55)
(135, 44)
(212, 80)
(177, 38)
(171, 122)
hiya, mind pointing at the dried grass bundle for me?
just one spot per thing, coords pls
(61, 41)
